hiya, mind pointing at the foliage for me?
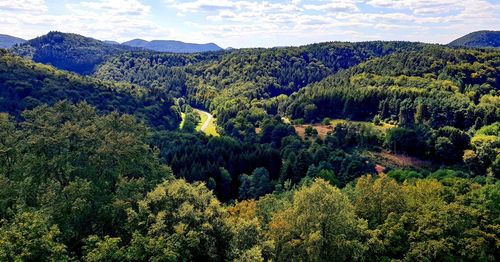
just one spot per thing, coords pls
(31, 237)
(77, 166)
(70, 52)
(26, 85)
(436, 86)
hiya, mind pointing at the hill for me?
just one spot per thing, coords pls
(111, 42)
(172, 46)
(70, 52)
(7, 41)
(478, 39)
(26, 85)
(425, 87)
(226, 83)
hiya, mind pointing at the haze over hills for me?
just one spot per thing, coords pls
(479, 39)
(111, 42)
(7, 41)
(172, 46)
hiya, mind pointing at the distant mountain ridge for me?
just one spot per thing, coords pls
(70, 52)
(7, 41)
(172, 46)
(111, 42)
(479, 39)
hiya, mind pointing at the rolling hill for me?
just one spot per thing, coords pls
(26, 85)
(172, 46)
(478, 39)
(70, 52)
(7, 41)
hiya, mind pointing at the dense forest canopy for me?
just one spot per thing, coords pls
(69, 51)
(437, 86)
(26, 85)
(398, 157)
(243, 81)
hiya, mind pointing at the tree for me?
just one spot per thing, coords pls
(107, 249)
(406, 140)
(375, 199)
(224, 185)
(445, 150)
(310, 112)
(191, 120)
(406, 115)
(402, 175)
(311, 132)
(73, 163)
(30, 236)
(178, 220)
(320, 225)
(9, 138)
(255, 185)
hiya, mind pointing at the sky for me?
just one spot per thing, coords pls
(252, 23)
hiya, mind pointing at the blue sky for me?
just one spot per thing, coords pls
(252, 23)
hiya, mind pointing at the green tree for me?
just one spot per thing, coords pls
(320, 225)
(375, 199)
(255, 185)
(107, 249)
(178, 220)
(445, 150)
(191, 120)
(30, 236)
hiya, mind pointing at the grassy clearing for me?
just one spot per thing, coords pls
(203, 118)
(212, 128)
(393, 161)
(183, 117)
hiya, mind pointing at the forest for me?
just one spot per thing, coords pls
(399, 158)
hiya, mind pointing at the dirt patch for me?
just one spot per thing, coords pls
(385, 160)
(380, 169)
(323, 130)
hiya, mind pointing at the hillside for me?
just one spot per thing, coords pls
(26, 85)
(437, 78)
(70, 52)
(7, 41)
(438, 88)
(172, 46)
(227, 82)
(478, 39)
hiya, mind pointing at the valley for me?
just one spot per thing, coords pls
(334, 151)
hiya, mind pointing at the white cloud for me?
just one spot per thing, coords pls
(335, 6)
(113, 7)
(36, 6)
(421, 7)
(102, 19)
(205, 5)
(254, 22)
